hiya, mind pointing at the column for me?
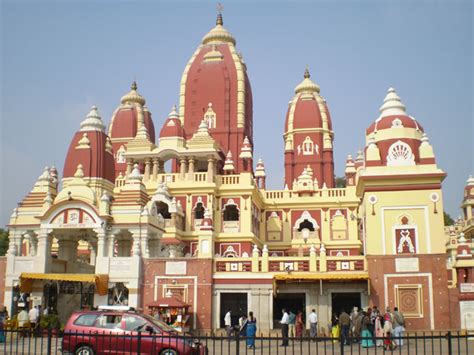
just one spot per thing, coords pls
(191, 169)
(13, 247)
(154, 175)
(129, 166)
(145, 248)
(93, 254)
(100, 242)
(136, 247)
(146, 175)
(43, 252)
(182, 168)
(210, 170)
(111, 245)
(33, 244)
(265, 259)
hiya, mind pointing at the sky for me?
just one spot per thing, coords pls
(58, 58)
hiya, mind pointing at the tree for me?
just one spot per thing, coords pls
(3, 241)
(448, 221)
(340, 182)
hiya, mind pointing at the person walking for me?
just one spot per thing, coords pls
(291, 324)
(243, 325)
(388, 343)
(251, 331)
(367, 341)
(345, 323)
(379, 330)
(228, 323)
(335, 329)
(299, 326)
(33, 316)
(313, 324)
(398, 326)
(284, 327)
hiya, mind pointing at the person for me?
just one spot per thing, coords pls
(243, 325)
(3, 319)
(398, 326)
(22, 319)
(291, 324)
(251, 330)
(284, 327)
(313, 324)
(345, 323)
(228, 323)
(379, 330)
(299, 326)
(388, 343)
(33, 316)
(335, 329)
(367, 341)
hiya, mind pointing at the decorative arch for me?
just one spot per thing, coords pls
(306, 216)
(119, 157)
(400, 154)
(76, 215)
(405, 235)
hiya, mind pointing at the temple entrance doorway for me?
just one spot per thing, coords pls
(345, 301)
(294, 302)
(236, 303)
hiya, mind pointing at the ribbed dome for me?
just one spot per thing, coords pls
(172, 126)
(218, 34)
(133, 96)
(307, 85)
(93, 121)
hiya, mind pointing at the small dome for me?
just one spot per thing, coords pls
(218, 34)
(172, 126)
(307, 85)
(93, 121)
(133, 96)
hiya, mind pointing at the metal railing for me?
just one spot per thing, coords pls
(111, 341)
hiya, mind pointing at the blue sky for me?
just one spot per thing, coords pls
(58, 58)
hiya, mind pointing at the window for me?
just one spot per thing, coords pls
(134, 323)
(109, 321)
(85, 320)
(306, 225)
(162, 208)
(231, 213)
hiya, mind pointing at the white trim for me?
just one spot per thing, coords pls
(194, 278)
(430, 291)
(427, 234)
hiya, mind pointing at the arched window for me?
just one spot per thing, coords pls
(231, 213)
(199, 211)
(162, 208)
(306, 225)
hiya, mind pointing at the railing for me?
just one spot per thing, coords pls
(321, 193)
(200, 177)
(277, 264)
(145, 342)
(230, 179)
(233, 265)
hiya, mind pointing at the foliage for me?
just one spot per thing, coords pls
(340, 182)
(3, 241)
(448, 221)
(50, 321)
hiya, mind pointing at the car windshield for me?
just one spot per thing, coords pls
(160, 324)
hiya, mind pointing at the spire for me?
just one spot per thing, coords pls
(133, 96)
(392, 104)
(307, 85)
(93, 121)
(134, 86)
(219, 20)
(218, 34)
(306, 75)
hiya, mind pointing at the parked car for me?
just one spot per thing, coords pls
(117, 330)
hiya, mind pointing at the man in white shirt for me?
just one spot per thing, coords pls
(313, 324)
(228, 323)
(284, 327)
(33, 316)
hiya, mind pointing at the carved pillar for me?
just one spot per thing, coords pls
(210, 169)
(154, 174)
(129, 166)
(191, 169)
(146, 175)
(182, 168)
(111, 245)
(33, 244)
(100, 242)
(13, 249)
(93, 254)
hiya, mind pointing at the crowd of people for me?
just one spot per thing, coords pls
(369, 327)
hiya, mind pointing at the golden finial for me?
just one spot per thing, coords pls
(306, 73)
(219, 20)
(134, 85)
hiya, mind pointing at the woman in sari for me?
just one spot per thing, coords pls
(367, 341)
(299, 325)
(251, 330)
(335, 330)
(378, 330)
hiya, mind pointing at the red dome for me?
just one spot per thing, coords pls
(388, 122)
(172, 126)
(89, 147)
(125, 122)
(307, 114)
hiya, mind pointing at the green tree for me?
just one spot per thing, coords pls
(340, 182)
(3, 241)
(448, 221)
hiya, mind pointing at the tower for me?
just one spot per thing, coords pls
(308, 136)
(215, 87)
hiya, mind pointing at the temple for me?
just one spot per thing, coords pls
(117, 228)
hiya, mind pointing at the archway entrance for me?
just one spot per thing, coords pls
(345, 301)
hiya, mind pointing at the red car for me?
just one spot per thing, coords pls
(111, 331)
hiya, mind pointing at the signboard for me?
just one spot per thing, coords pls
(175, 268)
(467, 287)
(407, 265)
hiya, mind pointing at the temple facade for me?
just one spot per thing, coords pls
(117, 228)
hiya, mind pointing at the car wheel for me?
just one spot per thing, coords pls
(84, 350)
(169, 352)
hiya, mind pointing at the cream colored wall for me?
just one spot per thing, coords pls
(388, 209)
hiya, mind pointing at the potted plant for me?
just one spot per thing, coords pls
(51, 323)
